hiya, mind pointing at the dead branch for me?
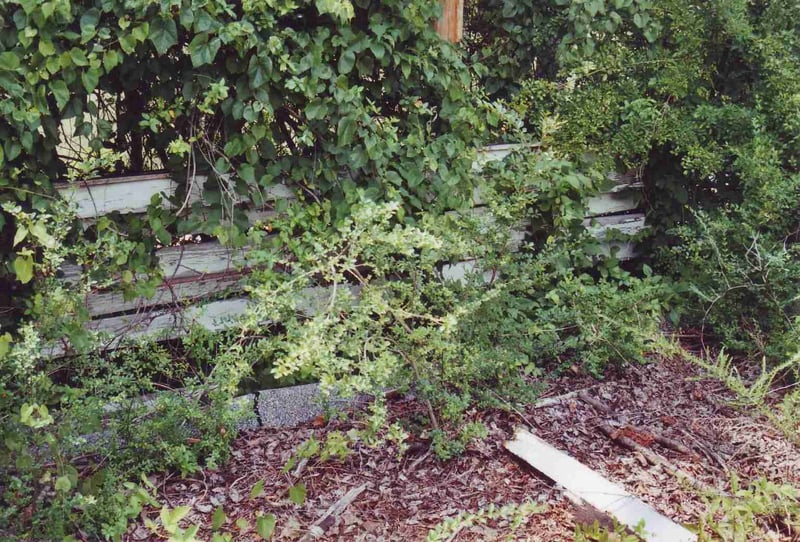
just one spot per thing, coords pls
(655, 435)
(655, 459)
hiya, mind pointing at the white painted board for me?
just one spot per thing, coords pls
(597, 491)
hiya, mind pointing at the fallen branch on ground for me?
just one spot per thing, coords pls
(654, 435)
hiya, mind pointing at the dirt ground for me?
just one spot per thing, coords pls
(407, 497)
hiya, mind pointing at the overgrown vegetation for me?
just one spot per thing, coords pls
(372, 121)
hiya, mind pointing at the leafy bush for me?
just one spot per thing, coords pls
(697, 100)
(334, 99)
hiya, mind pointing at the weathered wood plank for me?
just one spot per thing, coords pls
(613, 202)
(97, 197)
(171, 322)
(590, 487)
(172, 292)
(196, 260)
(216, 267)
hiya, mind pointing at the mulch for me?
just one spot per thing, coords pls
(407, 496)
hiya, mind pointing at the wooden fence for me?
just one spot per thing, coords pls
(194, 273)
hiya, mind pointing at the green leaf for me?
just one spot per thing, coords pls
(141, 32)
(90, 19)
(78, 57)
(247, 173)
(90, 79)
(46, 48)
(171, 518)
(20, 235)
(218, 519)
(346, 61)
(60, 93)
(63, 484)
(5, 344)
(203, 50)
(340, 9)
(265, 526)
(39, 231)
(9, 61)
(316, 109)
(345, 130)
(127, 43)
(23, 268)
(594, 7)
(163, 34)
(259, 69)
(297, 494)
(258, 489)
(111, 59)
(242, 524)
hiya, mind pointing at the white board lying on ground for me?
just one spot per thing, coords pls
(592, 488)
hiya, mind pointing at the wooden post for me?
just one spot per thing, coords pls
(451, 25)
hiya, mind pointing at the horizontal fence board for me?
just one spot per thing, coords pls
(129, 195)
(199, 259)
(169, 293)
(613, 202)
(163, 324)
(95, 198)
(216, 267)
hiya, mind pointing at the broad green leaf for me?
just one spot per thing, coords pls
(297, 494)
(46, 48)
(163, 34)
(90, 19)
(218, 519)
(5, 344)
(78, 57)
(345, 130)
(63, 484)
(340, 9)
(203, 50)
(316, 110)
(20, 235)
(265, 526)
(111, 59)
(60, 92)
(346, 61)
(39, 231)
(171, 517)
(127, 43)
(141, 32)
(90, 79)
(9, 61)
(259, 69)
(242, 524)
(258, 489)
(23, 268)
(247, 173)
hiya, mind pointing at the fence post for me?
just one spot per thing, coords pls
(451, 24)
